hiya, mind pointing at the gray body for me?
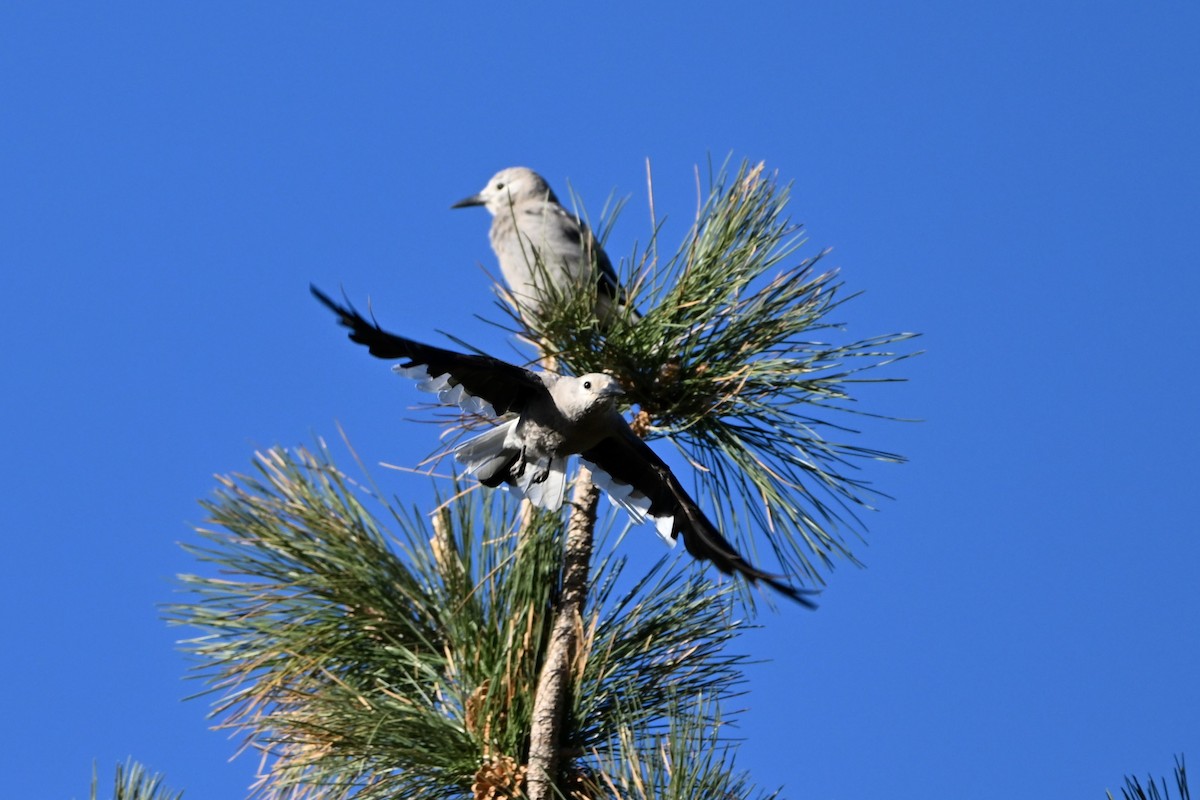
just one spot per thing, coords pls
(541, 247)
(578, 415)
(530, 453)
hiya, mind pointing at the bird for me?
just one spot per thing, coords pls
(543, 249)
(549, 417)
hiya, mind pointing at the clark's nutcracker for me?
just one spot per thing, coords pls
(556, 416)
(541, 246)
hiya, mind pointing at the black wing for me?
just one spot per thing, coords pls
(505, 386)
(628, 460)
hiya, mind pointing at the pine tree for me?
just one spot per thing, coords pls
(482, 650)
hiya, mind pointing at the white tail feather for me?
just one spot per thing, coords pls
(479, 450)
(547, 494)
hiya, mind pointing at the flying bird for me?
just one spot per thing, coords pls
(543, 248)
(552, 417)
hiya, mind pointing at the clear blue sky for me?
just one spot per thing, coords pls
(1020, 181)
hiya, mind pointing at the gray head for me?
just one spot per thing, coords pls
(508, 187)
(586, 395)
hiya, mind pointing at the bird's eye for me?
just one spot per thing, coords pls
(587, 384)
(499, 185)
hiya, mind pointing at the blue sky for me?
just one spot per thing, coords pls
(1019, 181)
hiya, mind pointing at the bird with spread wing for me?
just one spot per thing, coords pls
(551, 417)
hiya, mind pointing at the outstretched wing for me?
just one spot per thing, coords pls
(452, 375)
(645, 483)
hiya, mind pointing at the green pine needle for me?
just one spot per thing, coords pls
(1133, 789)
(689, 760)
(133, 782)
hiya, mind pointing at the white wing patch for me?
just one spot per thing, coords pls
(450, 395)
(664, 526)
(636, 504)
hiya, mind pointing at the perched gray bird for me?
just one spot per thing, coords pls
(553, 417)
(543, 247)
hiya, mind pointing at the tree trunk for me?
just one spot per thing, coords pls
(554, 684)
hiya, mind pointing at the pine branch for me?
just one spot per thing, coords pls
(734, 360)
(344, 662)
(374, 661)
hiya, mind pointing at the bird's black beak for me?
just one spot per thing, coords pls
(473, 200)
(613, 390)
